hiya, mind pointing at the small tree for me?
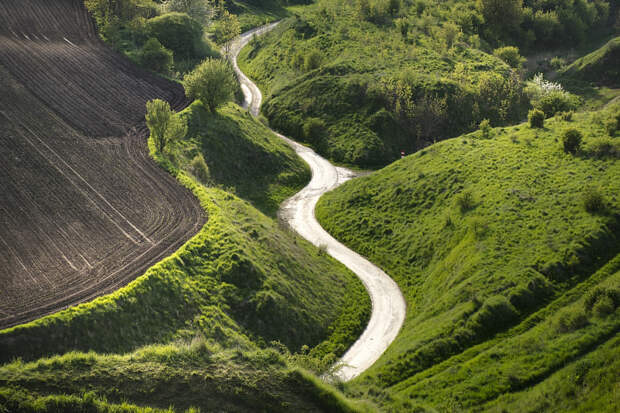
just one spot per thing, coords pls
(571, 139)
(536, 118)
(227, 29)
(510, 55)
(213, 82)
(164, 124)
(485, 128)
(155, 57)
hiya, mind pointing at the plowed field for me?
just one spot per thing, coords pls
(83, 209)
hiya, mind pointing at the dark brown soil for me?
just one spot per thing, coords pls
(83, 209)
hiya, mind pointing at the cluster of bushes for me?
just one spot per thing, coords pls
(542, 24)
(550, 97)
(157, 42)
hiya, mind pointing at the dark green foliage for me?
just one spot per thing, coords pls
(465, 201)
(557, 101)
(593, 200)
(213, 82)
(312, 60)
(510, 55)
(601, 66)
(398, 86)
(485, 128)
(495, 315)
(536, 118)
(179, 33)
(609, 297)
(155, 57)
(570, 321)
(571, 140)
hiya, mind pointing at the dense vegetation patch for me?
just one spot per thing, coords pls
(391, 76)
(496, 250)
(602, 66)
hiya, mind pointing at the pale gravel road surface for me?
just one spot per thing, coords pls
(388, 304)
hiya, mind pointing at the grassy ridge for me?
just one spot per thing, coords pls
(178, 376)
(241, 282)
(241, 155)
(600, 67)
(488, 239)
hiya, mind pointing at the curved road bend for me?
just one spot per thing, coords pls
(388, 304)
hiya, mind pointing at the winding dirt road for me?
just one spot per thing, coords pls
(388, 304)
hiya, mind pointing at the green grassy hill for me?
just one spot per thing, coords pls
(507, 251)
(363, 80)
(241, 155)
(601, 67)
(241, 283)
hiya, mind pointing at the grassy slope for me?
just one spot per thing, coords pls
(356, 56)
(600, 67)
(240, 281)
(242, 155)
(525, 246)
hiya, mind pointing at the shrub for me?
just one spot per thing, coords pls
(612, 124)
(313, 60)
(557, 101)
(485, 128)
(314, 130)
(164, 124)
(495, 314)
(567, 116)
(200, 169)
(557, 63)
(604, 147)
(177, 32)
(510, 55)
(465, 201)
(571, 139)
(593, 200)
(536, 118)
(155, 56)
(594, 296)
(571, 320)
(603, 307)
(213, 82)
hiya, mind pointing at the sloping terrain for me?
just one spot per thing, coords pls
(601, 67)
(506, 250)
(83, 208)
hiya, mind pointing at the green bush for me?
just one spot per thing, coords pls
(599, 293)
(485, 128)
(593, 200)
(496, 314)
(571, 140)
(465, 201)
(200, 169)
(213, 82)
(179, 33)
(313, 60)
(557, 101)
(510, 55)
(569, 321)
(567, 116)
(603, 307)
(612, 124)
(155, 56)
(314, 130)
(536, 117)
(604, 147)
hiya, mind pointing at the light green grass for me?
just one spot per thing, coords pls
(484, 279)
